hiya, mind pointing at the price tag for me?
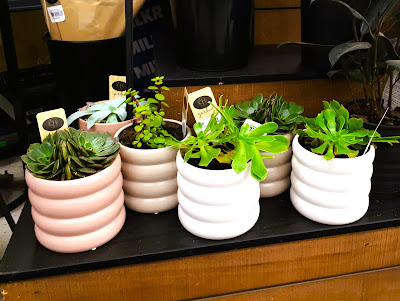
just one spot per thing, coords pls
(51, 121)
(253, 124)
(56, 13)
(116, 86)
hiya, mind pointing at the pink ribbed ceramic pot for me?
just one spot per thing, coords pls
(78, 215)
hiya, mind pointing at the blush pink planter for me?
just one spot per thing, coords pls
(77, 215)
(150, 184)
(278, 172)
(110, 128)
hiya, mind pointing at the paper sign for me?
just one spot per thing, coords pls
(199, 102)
(395, 92)
(51, 121)
(116, 86)
(56, 13)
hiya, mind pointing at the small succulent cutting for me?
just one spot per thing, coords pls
(224, 141)
(150, 131)
(67, 155)
(273, 108)
(333, 133)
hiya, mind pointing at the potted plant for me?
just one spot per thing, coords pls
(148, 165)
(103, 116)
(287, 116)
(75, 188)
(218, 174)
(332, 166)
(371, 59)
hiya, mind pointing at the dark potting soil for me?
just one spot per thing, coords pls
(308, 147)
(360, 110)
(214, 164)
(127, 136)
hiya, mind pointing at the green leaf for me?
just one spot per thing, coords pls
(160, 97)
(338, 51)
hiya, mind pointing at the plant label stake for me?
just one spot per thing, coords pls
(370, 140)
(199, 102)
(51, 121)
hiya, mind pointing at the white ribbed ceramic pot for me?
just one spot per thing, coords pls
(216, 204)
(77, 215)
(278, 172)
(149, 177)
(333, 192)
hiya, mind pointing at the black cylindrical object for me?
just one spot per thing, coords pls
(83, 69)
(327, 23)
(212, 35)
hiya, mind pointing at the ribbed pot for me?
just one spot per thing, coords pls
(149, 177)
(278, 172)
(77, 215)
(102, 127)
(216, 204)
(333, 192)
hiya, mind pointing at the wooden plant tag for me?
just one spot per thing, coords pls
(199, 102)
(51, 121)
(116, 86)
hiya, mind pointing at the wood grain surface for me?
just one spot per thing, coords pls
(375, 285)
(223, 273)
(276, 3)
(308, 93)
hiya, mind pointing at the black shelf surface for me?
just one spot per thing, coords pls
(24, 5)
(150, 237)
(266, 63)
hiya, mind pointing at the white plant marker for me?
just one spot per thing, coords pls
(370, 140)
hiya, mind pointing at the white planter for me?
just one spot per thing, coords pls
(334, 192)
(278, 172)
(149, 177)
(216, 204)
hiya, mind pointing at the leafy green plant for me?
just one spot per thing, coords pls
(273, 108)
(224, 141)
(67, 155)
(371, 57)
(111, 111)
(150, 131)
(333, 133)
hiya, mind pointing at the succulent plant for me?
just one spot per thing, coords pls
(333, 133)
(111, 111)
(271, 109)
(67, 155)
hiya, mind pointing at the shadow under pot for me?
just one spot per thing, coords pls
(77, 215)
(150, 184)
(216, 204)
(278, 175)
(332, 192)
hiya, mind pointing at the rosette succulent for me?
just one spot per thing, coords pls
(270, 109)
(67, 155)
(333, 133)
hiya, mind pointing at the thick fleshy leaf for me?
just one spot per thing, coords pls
(112, 118)
(77, 115)
(96, 117)
(338, 51)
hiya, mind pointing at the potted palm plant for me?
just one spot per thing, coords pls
(148, 164)
(75, 188)
(218, 174)
(287, 116)
(332, 166)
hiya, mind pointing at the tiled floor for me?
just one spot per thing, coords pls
(13, 166)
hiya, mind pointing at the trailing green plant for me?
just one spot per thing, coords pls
(72, 154)
(371, 57)
(272, 108)
(111, 111)
(225, 142)
(333, 133)
(150, 131)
